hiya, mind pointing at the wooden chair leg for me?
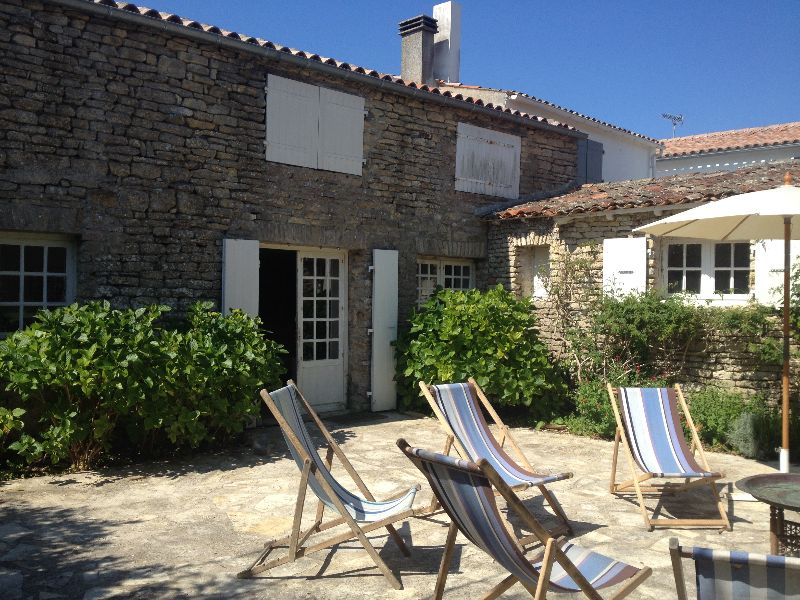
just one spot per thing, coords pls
(500, 588)
(447, 557)
(720, 505)
(556, 506)
(613, 485)
(398, 540)
(544, 572)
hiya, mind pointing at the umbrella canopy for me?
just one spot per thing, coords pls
(764, 215)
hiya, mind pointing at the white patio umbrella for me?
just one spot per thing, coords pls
(765, 215)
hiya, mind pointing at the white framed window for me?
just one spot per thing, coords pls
(487, 161)
(450, 274)
(314, 127)
(35, 272)
(708, 269)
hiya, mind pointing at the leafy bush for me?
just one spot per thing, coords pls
(714, 410)
(88, 375)
(490, 336)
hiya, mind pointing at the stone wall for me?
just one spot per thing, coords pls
(148, 147)
(724, 359)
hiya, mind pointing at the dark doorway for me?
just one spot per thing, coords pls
(277, 301)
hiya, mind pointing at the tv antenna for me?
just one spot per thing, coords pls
(675, 119)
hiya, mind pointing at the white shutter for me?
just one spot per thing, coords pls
(341, 132)
(769, 270)
(487, 161)
(384, 328)
(624, 265)
(240, 276)
(292, 122)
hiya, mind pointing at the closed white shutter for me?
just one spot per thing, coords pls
(292, 122)
(341, 132)
(624, 265)
(384, 328)
(240, 276)
(769, 270)
(487, 161)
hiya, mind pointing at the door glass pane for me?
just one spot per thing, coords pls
(693, 282)
(333, 329)
(321, 330)
(334, 265)
(322, 309)
(322, 350)
(9, 288)
(56, 289)
(308, 350)
(321, 267)
(693, 255)
(674, 281)
(308, 288)
(741, 282)
(333, 308)
(675, 255)
(28, 315)
(9, 318)
(308, 309)
(34, 259)
(56, 260)
(333, 349)
(722, 255)
(320, 290)
(722, 282)
(741, 255)
(9, 258)
(308, 267)
(333, 290)
(308, 330)
(34, 288)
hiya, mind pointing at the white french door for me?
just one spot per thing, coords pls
(322, 327)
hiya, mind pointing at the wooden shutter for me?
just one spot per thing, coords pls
(341, 132)
(594, 161)
(292, 122)
(487, 162)
(240, 266)
(384, 328)
(624, 265)
(769, 270)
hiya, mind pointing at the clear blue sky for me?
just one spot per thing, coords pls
(723, 64)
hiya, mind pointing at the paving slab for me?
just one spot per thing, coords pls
(183, 529)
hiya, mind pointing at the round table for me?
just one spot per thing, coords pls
(781, 491)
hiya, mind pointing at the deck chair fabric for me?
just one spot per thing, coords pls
(736, 575)
(650, 432)
(465, 419)
(286, 405)
(465, 491)
(360, 509)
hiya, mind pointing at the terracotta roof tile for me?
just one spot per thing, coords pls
(188, 23)
(734, 139)
(665, 191)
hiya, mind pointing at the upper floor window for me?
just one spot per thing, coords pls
(709, 269)
(315, 127)
(449, 274)
(487, 161)
(35, 273)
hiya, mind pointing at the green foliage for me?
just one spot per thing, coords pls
(89, 375)
(714, 410)
(490, 336)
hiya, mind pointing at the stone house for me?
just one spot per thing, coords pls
(534, 245)
(149, 158)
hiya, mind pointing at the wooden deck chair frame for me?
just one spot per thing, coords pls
(635, 484)
(451, 440)
(296, 540)
(552, 550)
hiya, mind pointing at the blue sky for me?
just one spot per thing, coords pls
(722, 64)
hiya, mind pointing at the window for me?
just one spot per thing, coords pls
(487, 162)
(34, 274)
(448, 274)
(533, 270)
(315, 127)
(709, 269)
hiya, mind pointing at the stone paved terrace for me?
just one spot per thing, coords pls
(183, 529)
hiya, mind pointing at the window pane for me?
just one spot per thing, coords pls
(322, 350)
(321, 327)
(56, 260)
(28, 315)
(308, 267)
(674, 281)
(693, 282)
(741, 282)
(448, 269)
(319, 289)
(34, 259)
(333, 290)
(722, 255)
(34, 288)
(693, 255)
(320, 267)
(465, 271)
(308, 288)
(333, 329)
(333, 349)
(308, 330)
(333, 308)
(56, 289)
(308, 350)
(322, 311)
(675, 255)
(9, 318)
(334, 264)
(308, 309)
(9, 258)
(741, 255)
(722, 282)
(9, 288)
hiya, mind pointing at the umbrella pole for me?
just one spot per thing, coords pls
(784, 456)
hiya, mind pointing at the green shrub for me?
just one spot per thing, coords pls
(490, 336)
(714, 410)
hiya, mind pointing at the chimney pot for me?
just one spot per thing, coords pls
(447, 42)
(417, 49)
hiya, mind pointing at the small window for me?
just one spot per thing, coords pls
(732, 268)
(708, 269)
(447, 274)
(684, 268)
(34, 274)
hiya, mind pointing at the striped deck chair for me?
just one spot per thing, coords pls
(732, 575)
(649, 429)
(285, 405)
(464, 490)
(466, 428)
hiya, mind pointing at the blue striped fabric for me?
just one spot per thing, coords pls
(466, 420)
(655, 435)
(360, 509)
(732, 575)
(467, 496)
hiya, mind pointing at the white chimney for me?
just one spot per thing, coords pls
(447, 42)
